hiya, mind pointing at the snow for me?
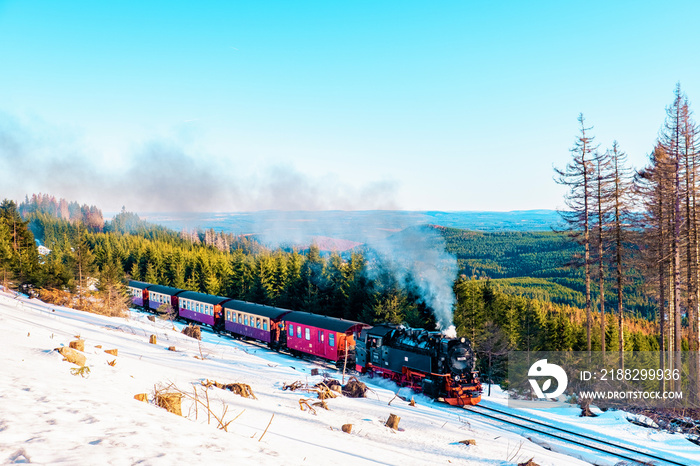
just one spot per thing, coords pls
(50, 416)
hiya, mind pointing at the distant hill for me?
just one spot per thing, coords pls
(357, 226)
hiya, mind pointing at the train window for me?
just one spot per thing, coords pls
(265, 324)
(240, 318)
(298, 331)
(331, 339)
(245, 320)
(307, 334)
(291, 330)
(257, 323)
(321, 335)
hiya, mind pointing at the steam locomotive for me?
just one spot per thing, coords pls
(428, 362)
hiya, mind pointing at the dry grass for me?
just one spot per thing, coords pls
(200, 399)
(108, 303)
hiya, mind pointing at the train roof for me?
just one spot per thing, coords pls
(381, 330)
(169, 290)
(139, 285)
(257, 309)
(329, 323)
(202, 297)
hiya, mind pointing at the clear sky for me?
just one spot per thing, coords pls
(246, 105)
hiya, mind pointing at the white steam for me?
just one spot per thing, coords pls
(418, 255)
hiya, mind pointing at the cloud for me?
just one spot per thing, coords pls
(164, 175)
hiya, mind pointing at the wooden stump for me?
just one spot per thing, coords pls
(172, 402)
(469, 441)
(72, 355)
(347, 428)
(153, 340)
(113, 352)
(528, 463)
(78, 345)
(141, 397)
(393, 421)
(171, 348)
(412, 402)
(152, 318)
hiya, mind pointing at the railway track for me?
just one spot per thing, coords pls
(637, 455)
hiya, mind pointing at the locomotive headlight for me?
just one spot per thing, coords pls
(463, 340)
(456, 378)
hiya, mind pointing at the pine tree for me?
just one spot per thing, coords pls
(83, 261)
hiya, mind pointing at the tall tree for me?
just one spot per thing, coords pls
(83, 261)
(602, 187)
(620, 194)
(577, 176)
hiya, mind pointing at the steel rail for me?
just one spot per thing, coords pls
(639, 458)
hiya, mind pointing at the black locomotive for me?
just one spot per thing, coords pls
(430, 362)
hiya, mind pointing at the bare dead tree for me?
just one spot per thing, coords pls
(577, 177)
(621, 199)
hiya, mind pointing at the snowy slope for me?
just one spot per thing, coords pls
(49, 416)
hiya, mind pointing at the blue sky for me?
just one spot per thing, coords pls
(231, 106)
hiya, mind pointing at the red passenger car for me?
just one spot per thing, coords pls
(326, 337)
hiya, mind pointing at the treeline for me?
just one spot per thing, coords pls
(639, 227)
(90, 216)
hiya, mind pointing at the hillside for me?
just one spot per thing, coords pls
(53, 417)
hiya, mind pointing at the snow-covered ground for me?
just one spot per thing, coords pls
(50, 416)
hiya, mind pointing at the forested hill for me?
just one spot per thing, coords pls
(536, 265)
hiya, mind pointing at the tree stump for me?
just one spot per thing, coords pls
(528, 463)
(153, 340)
(393, 421)
(141, 397)
(78, 345)
(113, 352)
(172, 402)
(152, 318)
(72, 355)
(347, 428)
(171, 348)
(469, 441)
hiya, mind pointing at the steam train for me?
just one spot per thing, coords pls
(428, 362)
